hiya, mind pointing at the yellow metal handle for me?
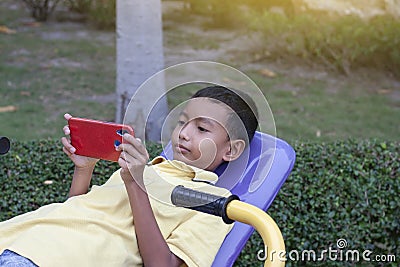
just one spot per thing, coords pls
(265, 226)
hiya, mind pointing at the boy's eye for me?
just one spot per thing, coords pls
(180, 123)
(201, 129)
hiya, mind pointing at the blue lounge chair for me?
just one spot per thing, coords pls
(256, 177)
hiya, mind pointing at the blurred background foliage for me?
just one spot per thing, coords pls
(338, 39)
(327, 74)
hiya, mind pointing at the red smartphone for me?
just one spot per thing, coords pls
(97, 139)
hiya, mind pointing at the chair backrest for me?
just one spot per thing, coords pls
(256, 177)
(270, 161)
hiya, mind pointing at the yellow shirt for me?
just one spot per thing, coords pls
(96, 229)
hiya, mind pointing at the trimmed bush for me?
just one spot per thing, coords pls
(342, 190)
(37, 173)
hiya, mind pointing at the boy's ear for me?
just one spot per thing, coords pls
(236, 149)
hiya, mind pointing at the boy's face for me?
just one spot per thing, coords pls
(200, 138)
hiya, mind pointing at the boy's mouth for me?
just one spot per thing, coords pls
(182, 149)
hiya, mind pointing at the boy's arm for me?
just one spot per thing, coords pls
(84, 166)
(80, 180)
(82, 172)
(152, 245)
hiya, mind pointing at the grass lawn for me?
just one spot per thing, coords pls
(57, 67)
(311, 110)
(49, 69)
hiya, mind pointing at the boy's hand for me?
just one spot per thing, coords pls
(69, 150)
(133, 159)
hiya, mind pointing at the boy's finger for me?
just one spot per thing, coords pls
(133, 152)
(66, 151)
(127, 138)
(129, 160)
(137, 143)
(131, 139)
(68, 145)
(67, 116)
(128, 149)
(66, 130)
(126, 157)
(141, 146)
(122, 163)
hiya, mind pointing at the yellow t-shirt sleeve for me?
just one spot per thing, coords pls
(197, 240)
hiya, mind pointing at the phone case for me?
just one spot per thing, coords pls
(97, 139)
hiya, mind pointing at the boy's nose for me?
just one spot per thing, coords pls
(185, 132)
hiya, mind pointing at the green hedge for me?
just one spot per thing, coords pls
(343, 190)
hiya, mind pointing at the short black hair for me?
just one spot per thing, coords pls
(241, 103)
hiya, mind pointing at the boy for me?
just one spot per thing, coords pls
(95, 228)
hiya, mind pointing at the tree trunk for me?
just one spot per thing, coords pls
(139, 56)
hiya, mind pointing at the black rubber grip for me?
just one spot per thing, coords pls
(4, 145)
(200, 201)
